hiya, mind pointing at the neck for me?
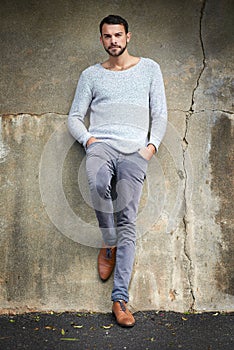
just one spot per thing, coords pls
(125, 61)
(120, 61)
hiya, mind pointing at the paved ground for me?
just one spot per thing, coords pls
(153, 330)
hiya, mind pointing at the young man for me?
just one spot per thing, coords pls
(127, 123)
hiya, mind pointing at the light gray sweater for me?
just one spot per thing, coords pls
(127, 108)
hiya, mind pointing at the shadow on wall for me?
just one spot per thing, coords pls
(222, 162)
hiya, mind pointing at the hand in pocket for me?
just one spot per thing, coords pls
(145, 153)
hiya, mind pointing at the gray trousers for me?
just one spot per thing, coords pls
(115, 181)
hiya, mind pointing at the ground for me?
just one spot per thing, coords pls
(90, 331)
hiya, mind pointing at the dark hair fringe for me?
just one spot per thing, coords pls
(114, 19)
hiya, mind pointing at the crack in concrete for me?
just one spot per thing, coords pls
(214, 110)
(191, 110)
(185, 146)
(202, 110)
(5, 115)
(186, 244)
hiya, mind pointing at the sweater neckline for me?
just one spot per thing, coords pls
(121, 71)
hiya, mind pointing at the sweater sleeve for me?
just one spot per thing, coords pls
(158, 108)
(79, 108)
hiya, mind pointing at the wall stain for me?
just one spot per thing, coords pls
(222, 163)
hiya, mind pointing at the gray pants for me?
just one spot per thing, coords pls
(115, 181)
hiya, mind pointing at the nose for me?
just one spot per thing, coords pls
(113, 40)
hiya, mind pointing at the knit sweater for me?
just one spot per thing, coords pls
(127, 108)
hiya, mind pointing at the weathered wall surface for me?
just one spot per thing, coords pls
(49, 236)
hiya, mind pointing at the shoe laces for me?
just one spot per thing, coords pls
(121, 303)
(108, 253)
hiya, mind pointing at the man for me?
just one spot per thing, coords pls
(127, 123)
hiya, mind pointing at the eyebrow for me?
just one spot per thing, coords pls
(114, 33)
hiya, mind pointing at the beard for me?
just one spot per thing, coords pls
(115, 53)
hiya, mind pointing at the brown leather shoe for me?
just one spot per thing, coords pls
(106, 262)
(123, 316)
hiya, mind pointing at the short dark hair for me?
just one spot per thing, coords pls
(114, 19)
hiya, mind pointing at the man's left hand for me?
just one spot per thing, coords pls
(147, 152)
(151, 148)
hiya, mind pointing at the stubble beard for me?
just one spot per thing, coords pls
(116, 54)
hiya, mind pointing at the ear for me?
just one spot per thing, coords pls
(101, 39)
(129, 35)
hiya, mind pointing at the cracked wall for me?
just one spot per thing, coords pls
(184, 257)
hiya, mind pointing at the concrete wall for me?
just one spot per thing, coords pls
(49, 236)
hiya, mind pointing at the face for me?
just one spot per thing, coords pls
(114, 39)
